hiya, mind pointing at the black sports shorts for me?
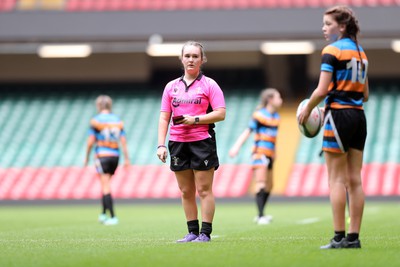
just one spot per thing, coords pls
(198, 155)
(106, 165)
(344, 129)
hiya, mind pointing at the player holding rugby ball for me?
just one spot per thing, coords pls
(344, 85)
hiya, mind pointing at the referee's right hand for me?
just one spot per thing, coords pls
(162, 153)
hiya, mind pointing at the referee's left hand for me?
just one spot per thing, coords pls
(187, 119)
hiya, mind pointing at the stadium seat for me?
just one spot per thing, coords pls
(121, 5)
(84, 5)
(44, 135)
(7, 5)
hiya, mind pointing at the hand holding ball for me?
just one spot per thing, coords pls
(312, 126)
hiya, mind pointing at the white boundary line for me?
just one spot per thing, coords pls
(309, 220)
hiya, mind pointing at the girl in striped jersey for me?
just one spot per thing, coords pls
(106, 131)
(344, 85)
(264, 124)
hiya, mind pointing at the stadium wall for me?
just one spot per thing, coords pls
(139, 67)
(230, 24)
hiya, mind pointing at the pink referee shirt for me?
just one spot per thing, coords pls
(201, 97)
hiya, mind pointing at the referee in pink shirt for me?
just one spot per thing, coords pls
(194, 102)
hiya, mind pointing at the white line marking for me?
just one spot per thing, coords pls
(308, 221)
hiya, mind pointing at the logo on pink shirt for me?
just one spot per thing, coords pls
(177, 101)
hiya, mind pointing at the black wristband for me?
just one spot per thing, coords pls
(161, 146)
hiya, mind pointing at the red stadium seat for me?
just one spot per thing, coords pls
(184, 4)
(115, 5)
(286, 3)
(242, 4)
(312, 3)
(76, 5)
(134, 182)
(7, 5)
(311, 180)
(128, 5)
(137, 181)
(372, 3)
(388, 3)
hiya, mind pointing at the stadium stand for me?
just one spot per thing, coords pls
(37, 126)
(44, 136)
(133, 182)
(78, 5)
(164, 5)
(381, 172)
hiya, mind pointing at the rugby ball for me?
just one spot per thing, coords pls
(313, 125)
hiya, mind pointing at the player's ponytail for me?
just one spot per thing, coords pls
(345, 15)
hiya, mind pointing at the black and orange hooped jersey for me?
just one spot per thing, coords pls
(107, 129)
(346, 89)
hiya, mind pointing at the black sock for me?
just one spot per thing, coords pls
(352, 237)
(267, 197)
(261, 200)
(103, 202)
(206, 228)
(109, 204)
(339, 235)
(193, 227)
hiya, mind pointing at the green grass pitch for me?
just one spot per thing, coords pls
(70, 236)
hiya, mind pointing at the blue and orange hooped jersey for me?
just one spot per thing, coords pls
(107, 129)
(346, 89)
(265, 126)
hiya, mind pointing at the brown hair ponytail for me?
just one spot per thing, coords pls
(345, 15)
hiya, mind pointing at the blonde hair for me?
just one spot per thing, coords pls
(265, 96)
(197, 44)
(103, 102)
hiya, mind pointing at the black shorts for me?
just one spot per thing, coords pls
(344, 129)
(106, 165)
(199, 155)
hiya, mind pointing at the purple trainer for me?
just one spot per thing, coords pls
(188, 238)
(202, 238)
